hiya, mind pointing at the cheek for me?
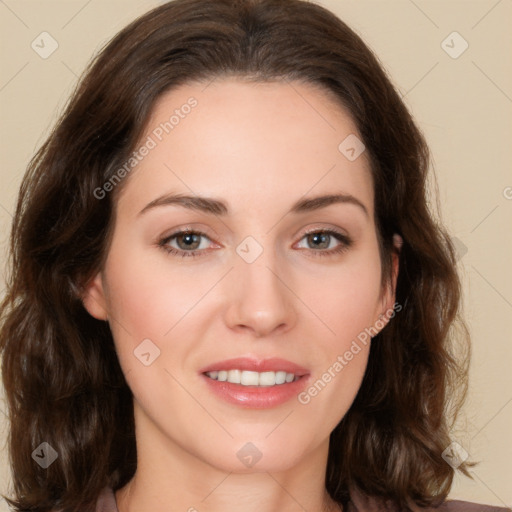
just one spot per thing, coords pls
(147, 299)
(346, 299)
(348, 307)
(147, 302)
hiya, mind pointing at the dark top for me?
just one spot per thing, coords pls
(107, 503)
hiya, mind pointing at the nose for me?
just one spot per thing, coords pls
(259, 298)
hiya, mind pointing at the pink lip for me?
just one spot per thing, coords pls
(256, 397)
(273, 364)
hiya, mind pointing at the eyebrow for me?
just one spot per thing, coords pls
(214, 206)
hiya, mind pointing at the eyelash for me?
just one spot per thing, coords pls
(346, 242)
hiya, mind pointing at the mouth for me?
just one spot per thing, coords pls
(254, 383)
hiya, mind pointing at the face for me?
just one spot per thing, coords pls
(262, 274)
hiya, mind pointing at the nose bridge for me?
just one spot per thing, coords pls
(259, 299)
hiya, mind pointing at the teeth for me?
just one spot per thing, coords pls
(267, 379)
(234, 376)
(281, 377)
(247, 378)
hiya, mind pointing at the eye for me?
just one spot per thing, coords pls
(330, 239)
(188, 243)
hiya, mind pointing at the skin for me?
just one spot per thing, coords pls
(260, 148)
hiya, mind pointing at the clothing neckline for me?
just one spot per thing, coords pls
(358, 503)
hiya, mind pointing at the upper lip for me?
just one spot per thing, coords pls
(272, 364)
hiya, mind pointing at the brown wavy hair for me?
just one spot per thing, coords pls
(62, 378)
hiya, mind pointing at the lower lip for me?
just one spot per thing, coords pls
(256, 397)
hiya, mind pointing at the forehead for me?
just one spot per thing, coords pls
(250, 143)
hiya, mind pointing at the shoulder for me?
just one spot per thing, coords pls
(466, 506)
(106, 501)
(361, 503)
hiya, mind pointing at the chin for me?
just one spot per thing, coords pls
(258, 455)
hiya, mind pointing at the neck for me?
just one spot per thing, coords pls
(264, 492)
(169, 477)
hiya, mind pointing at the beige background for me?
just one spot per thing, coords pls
(463, 105)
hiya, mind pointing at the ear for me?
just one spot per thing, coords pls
(389, 295)
(93, 298)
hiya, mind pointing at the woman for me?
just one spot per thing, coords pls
(227, 290)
